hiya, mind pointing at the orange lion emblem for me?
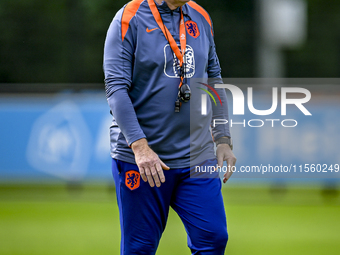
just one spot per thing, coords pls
(132, 179)
(192, 28)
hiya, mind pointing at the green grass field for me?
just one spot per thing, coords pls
(54, 220)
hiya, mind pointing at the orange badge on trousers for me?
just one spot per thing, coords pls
(132, 179)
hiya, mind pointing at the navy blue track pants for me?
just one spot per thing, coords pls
(144, 210)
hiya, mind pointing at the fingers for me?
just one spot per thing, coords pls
(150, 166)
(160, 173)
(142, 174)
(225, 179)
(220, 160)
(224, 153)
(164, 166)
(227, 174)
(149, 177)
(154, 175)
(231, 161)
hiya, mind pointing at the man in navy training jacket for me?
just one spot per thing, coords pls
(152, 50)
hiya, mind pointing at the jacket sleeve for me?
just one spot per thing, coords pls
(219, 111)
(118, 66)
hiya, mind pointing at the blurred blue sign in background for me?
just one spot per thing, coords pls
(63, 136)
(66, 137)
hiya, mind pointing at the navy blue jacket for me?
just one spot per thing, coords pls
(142, 79)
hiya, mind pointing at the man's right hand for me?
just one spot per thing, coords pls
(149, 164)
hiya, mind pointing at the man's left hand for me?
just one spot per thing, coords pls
(224, 153)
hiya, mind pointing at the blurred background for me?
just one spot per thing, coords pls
(56, 190)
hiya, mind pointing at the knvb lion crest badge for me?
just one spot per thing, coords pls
(132, 179)
(192, 28)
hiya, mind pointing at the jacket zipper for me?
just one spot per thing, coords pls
(173, 23)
